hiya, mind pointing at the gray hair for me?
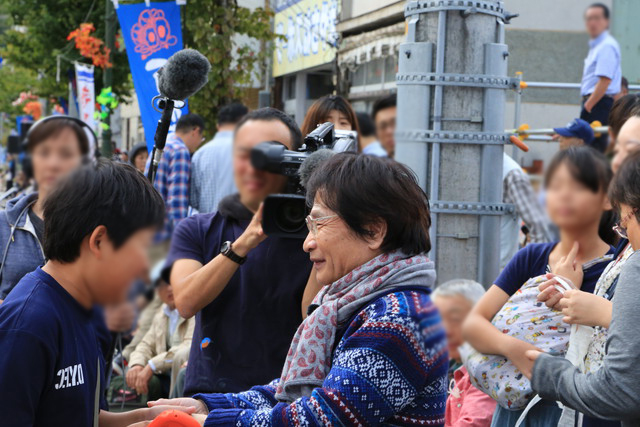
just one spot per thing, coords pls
(470, 290)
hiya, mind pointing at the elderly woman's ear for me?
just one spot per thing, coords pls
(377, 232)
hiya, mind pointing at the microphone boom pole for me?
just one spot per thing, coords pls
(160, 138)
(184, 74)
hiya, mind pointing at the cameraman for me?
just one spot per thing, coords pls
(244, 288)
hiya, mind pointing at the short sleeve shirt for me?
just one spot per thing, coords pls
(533, 260)
(241, 338)
(51, 363)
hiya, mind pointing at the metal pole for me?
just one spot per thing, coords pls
(518, 102)
(495, 60)
(414, 103)
(107, 73)
(466, 131)
(437, 125)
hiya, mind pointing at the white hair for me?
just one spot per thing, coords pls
(470, 290)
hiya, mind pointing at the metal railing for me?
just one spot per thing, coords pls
(544, 134)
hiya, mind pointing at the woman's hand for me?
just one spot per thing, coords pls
(584, 308)
(252, 236)
(182, 402)
(569, 267)
(549, 294)
(200, 418)
(516, 353)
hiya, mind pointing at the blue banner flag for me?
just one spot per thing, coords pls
(151, 35)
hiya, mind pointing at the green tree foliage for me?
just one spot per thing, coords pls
(43, 27)
(212, 27)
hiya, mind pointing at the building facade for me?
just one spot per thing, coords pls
(547, 43)
(304, 64)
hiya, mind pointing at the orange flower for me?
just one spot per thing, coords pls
(89, 46)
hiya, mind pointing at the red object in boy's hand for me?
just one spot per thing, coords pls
(174, 418)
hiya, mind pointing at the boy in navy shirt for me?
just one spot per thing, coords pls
(99, 223)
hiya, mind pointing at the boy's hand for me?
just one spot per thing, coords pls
(584, 308)
(252, 236)
(183, 402)
(569, 267)
(142, 382)
(132, 376)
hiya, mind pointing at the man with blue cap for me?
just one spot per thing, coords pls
(577, 132)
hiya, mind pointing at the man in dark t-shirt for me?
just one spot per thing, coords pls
(244, 288)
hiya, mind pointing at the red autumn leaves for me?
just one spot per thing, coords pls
(91, 47)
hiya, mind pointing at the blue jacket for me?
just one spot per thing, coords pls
(20, 249)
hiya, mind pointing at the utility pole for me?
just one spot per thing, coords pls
(452, 78)
(107, 73)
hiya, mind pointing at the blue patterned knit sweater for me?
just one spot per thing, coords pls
(390, 367)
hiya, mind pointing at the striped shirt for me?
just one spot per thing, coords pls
(212, 173)
(172, 182)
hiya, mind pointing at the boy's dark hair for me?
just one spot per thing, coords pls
(623, 108)
(625, 187)
(189, 121)
(367, 128)
(624, 82)
(384, 103)
(232, 113)
(589, 167)
(604, 7)
(51, 128)
(365, 189)
(108, 193)
(269, 114)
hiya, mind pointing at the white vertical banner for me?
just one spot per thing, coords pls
(86, 93)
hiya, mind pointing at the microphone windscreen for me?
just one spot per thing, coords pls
(311, 163)
(184, 74)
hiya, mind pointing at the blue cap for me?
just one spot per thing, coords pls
(578, 128)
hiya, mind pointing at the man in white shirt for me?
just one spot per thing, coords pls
(163, 350)
(212, 165)
(602, 75)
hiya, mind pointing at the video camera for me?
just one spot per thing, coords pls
(284, 214)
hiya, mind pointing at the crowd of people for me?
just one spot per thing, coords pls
(118, 293)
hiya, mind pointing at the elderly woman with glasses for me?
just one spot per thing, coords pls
(612, 391)
(372, 350)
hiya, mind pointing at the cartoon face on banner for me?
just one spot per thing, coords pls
(151, 35)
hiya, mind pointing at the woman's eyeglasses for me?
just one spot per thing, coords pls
(312, 223)
(622, 230)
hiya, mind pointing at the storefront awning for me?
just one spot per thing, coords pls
(365, 47)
